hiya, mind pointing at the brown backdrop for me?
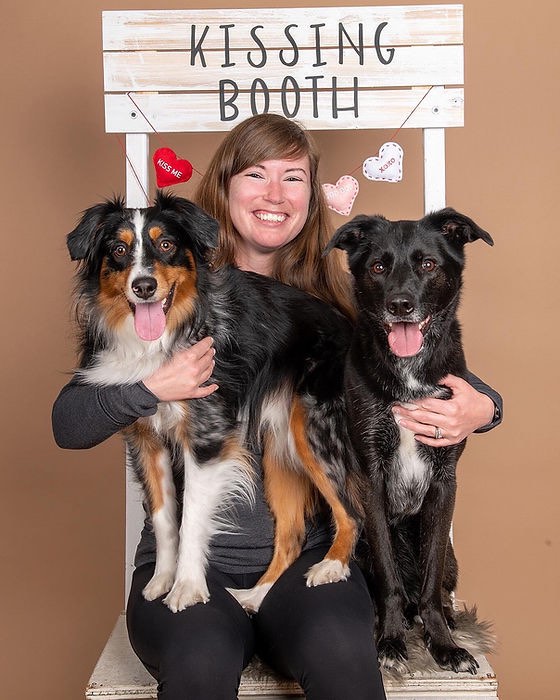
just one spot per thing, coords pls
(62, 518)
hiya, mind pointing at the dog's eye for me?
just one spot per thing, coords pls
(120, 250)
(428, 265)
(378, 268)
(166, 246)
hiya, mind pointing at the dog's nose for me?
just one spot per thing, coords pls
(400, 305)
(144, 287)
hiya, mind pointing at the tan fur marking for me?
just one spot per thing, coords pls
(112, 299)
(290, 496)
(346, 528)
(143, 439)
(126, 235)
(155, 232)
(185, 290)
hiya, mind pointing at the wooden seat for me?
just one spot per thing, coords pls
(119, 675)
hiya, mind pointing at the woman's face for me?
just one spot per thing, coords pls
(268, 205)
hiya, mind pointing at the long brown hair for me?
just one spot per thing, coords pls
(300, 262)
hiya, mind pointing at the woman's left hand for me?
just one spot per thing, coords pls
(441, 422)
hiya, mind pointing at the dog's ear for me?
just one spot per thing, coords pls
(349, 236)
(202, 229)
(458, 227)
(85, 239)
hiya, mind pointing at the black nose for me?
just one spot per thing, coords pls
(400, 305)
(144, 287)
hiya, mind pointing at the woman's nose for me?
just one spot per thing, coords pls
(274, 191)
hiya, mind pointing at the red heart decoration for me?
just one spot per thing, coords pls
(169, 169)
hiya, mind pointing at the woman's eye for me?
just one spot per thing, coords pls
(378, 268)
(428, 265)
(166, 246)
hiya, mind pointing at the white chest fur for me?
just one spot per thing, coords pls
(408, 478)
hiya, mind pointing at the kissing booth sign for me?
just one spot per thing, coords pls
(329, 68)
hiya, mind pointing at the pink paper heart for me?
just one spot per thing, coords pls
(387, 166)
(170, 169)
(340, 197)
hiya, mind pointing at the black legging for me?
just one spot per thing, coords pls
(322, 637)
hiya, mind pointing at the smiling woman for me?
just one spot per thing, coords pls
(272, 164)
(269, 202)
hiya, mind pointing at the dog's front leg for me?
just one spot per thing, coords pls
(200, 502)
(436, 517)
(389, 592)
(166, 530)
(152, 463)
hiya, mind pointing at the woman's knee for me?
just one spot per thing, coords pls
(200, 671)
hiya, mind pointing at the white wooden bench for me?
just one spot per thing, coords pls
(330, 68)
(119, 675)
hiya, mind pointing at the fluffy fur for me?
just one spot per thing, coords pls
(407, 278)
(144, 290)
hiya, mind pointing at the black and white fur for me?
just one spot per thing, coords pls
(407, 279)
(279, 366)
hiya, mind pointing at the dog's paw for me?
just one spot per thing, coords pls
(327, 571)
(454, 659)
(183, 594)
(250, 599)
(392, 654)
(158, 585)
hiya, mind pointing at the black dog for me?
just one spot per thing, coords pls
(407, 277)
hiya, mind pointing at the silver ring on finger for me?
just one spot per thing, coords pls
(438, 434)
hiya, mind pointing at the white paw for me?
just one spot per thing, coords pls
(327, 571)
(186, 593)
(158, 585)
(250, 599)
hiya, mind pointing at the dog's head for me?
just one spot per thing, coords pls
(407, 274)
(142, 263)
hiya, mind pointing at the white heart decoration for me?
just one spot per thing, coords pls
(340, 197)
(387, 166)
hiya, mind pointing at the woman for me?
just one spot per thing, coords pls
(262, 185)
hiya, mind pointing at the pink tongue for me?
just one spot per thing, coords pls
(149, 320)
(405, 339)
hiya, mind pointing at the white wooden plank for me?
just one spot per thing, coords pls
(200, 112)
(434, 169)
(137, 172)
(171, 29)
(171, 70)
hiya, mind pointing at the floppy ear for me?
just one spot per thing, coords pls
(202, 228)
(458, 228)
(84, 240)
(349, 235)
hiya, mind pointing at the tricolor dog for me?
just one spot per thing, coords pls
(145, 290)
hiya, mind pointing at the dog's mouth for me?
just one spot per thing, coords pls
(149, 316)
(406, 338)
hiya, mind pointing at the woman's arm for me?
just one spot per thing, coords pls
(84, 414)
(492, 394)
(473, 407)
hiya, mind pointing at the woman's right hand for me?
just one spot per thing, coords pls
(184, 374)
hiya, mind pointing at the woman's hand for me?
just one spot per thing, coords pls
(184, 374)
(455, 418)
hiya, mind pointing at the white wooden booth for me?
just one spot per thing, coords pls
(329, 68)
